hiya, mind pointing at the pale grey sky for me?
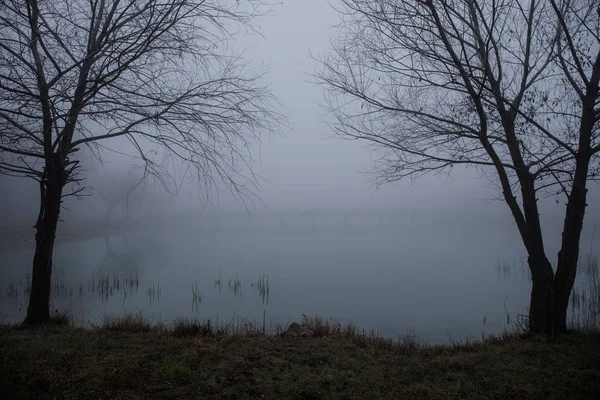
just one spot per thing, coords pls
(305, 168)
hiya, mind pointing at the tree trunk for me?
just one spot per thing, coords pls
(38, 311)
(541, 307)
(550, 294)
(563, 286)
(568, 255)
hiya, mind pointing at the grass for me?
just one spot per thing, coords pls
(129, 357)
(130, 323)
(61, 318)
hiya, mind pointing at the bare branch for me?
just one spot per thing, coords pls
(156, 73)
(483, 83)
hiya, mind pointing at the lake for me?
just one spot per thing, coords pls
(443, 282)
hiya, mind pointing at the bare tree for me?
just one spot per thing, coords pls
(155, 74)
(506, 86)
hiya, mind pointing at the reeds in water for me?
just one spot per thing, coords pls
(507, 270)
(262, 287)
(60, 289)
(106, 283)
(585, 297)
(196, 297)
(154, 291)
(218, 284)
(235, 285)
(12, 290)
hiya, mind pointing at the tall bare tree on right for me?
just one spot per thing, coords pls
(508, 86)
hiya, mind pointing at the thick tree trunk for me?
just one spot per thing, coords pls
(38, 311)
(568, 255)
(563, 286)
(541, 307)
(550, 293)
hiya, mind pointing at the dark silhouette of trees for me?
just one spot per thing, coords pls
(151, 75)
(507, 86)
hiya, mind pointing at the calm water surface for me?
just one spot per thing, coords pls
(442, 283)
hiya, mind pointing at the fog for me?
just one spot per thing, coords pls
(304, 168)
(418, 254)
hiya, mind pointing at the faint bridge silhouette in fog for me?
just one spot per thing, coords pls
(18, 237)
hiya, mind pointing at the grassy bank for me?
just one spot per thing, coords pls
(133, 360)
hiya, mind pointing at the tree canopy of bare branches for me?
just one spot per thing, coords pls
(155, 76)
(507, 86)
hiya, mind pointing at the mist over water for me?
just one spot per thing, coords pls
(387, 271)
(439, 255)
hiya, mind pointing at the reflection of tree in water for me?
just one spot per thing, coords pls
(118, 191)
(119, 259)
(132, 253)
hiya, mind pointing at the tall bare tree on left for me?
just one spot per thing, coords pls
(156, 74)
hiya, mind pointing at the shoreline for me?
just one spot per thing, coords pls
(116, 361)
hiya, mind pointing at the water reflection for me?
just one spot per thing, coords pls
(371, 280)
(513, 270)
(262, 287)
(585, 298)
(196, 297)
